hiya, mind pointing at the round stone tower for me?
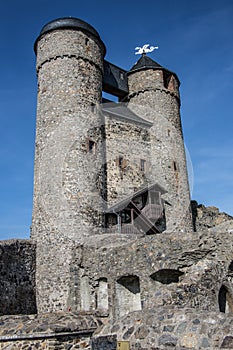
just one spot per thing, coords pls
(154, 95)
(69, 152)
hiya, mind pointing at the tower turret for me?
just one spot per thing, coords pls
(68, 152)
(154, 95)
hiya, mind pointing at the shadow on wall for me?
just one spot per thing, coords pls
(128, 297)
(17, 281)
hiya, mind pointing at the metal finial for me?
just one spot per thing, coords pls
(145, 49)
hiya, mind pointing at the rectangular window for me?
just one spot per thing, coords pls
(142, 165)
(121, 162)
(122, 76)
(175, 166)
(91, 146)
(93, 108)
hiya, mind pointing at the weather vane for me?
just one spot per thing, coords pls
(145, 49)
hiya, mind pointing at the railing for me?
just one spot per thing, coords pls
(129, 228)
(153, 211)
(125, 229)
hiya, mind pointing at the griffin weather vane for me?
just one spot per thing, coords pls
(145, 48)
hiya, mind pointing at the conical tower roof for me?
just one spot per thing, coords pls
(144, 62)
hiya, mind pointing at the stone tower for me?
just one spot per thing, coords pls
(88, 158)
(68, 151)
(154, 94)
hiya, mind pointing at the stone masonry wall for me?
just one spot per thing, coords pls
(151, 100)
(48, 331)
(17, 277)
(207, 217)
(131, 142)
(168, 328)
(66, 204)
(185, 270)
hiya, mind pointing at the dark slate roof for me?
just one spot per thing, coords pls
(146, 62)
(68, 22)
(122, 204)
(115, 80)
(119, 110)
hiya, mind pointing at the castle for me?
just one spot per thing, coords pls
(114, 259)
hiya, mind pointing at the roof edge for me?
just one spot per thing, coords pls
(68, 23)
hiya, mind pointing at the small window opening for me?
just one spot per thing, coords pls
(121, 163)
(231, 267)
(122, 76)
(126, 216)
(175, 166)
(93, 108)
(167, 276)
(138, 201)
(166, 79)
(225, 301)
(86, 41)
(142, 165)
(168, 132)
(91, 146)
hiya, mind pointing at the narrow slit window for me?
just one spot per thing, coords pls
(91, 146)
(120, 162)
(93, 108)
(175, 166)
(142, 165)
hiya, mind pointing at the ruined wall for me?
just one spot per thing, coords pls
(207, 217)
(149, 98)
(183, 270)
(17, 277)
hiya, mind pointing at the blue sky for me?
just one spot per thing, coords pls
(195, 41)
